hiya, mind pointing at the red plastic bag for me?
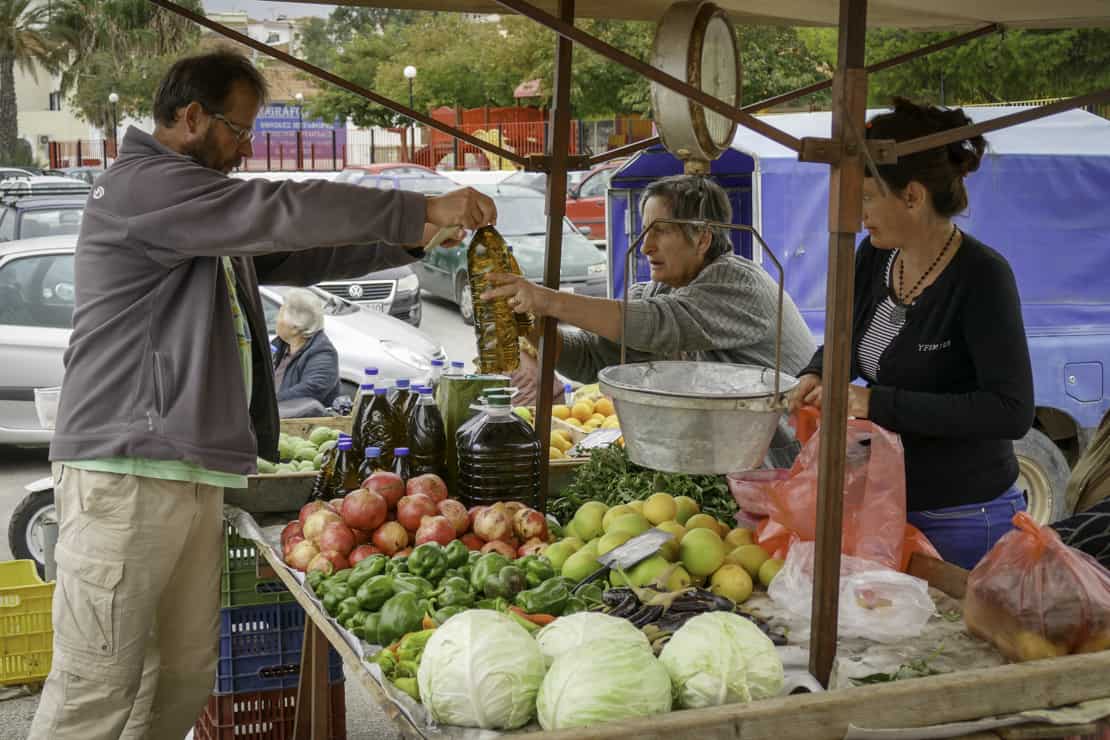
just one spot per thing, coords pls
(874, 497)
(1034, 597)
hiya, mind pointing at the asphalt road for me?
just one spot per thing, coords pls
(19, 466)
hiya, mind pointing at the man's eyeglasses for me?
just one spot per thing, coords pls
(242, 134)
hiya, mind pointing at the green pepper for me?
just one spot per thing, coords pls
(409, 686)
(421, 587)
(456, 554)
(547, 598)
(364, 573)
(536, 570)
(498, 605)
(488, 565)
(428, 561)
(406, 669)
(375, 592)
(400, 615)
(368, 630)
(554, 527)
(358, 619)
(334, 596)
(506, 583)
(340, 576)
(412, 645)
(397, 565)
(465, 571)
(386, 661)
(314, 580)
(442, 615)
(473, 557)
(454, 592)
(573, 606)
(348, 608)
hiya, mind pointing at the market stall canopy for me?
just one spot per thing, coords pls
(937, 15)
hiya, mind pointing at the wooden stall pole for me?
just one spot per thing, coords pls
(557, 151)
(313, 691)
(849, 107)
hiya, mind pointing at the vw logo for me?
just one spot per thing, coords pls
(355, 291)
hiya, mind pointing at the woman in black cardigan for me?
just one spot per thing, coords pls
(938, 336)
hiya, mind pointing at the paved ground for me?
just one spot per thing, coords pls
(20, 466)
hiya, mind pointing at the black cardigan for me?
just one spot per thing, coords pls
(956, 382)
(312, 373)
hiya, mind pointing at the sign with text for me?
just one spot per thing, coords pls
(279, 123)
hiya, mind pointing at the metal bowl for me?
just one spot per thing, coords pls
(696, 417)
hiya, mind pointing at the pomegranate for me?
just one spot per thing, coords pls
(321, 563)
(472, 513)
(511, 541)
(403, 553)
(337, 536)
(529, 524)
(500, 547)
(338, 560)
(493, 524)
(513, 507)
(390, 537)
(388, 485)
(429, 484)
(361, 553)
(455, 513)
(364, 509)
(291, 529)
(472, 541)
(435, 529)
(362, 536)
(289, 544)
(309, 508)
(411, 509)
(336, 505)
(534, 546)
(302, 554)
(314, 525)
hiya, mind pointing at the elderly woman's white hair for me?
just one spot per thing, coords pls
(303, 311)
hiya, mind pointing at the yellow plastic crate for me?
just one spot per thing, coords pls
(26, 629)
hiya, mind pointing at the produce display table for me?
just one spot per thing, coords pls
(962, 696)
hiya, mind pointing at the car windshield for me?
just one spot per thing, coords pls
(432, 184)
(50, 222)
(524, 216)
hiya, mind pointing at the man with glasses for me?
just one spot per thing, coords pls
(169, 393)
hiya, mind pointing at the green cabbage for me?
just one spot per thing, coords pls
(481, 669)
(721, 658)
(602, 681)
(571, 632)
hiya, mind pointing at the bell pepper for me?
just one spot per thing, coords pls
(412, 645)
(397, 565)
(550, 597)
(428, 562)
(340, 576)
(456, 554)
(363, 573)
(406, 669)
(487, 565)
(506, 583)
(536, 570)
(413, 584)
(400, 615)
(368, 630)
(445, 613)
(314, 581)
(334, 596)
(573, 606)
(454, 592)
(409, 686)
(386, 660)
(348, 608)
(498, 605)
(375, 592)
(473, 557)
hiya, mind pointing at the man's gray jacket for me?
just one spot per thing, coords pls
(153, 368)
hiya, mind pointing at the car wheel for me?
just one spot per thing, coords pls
(25, 535)
(464, 299)
(1043, 476)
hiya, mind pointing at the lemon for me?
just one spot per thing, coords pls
(604, 406)
(702, 521)
(751, 557)
(769, 570)
(582, 411)
(739, 536)
(670, 549)
(560, 411)
(613, 513)
(574, 422)
(702, 551)
(732, 582)
(637, 506)
(687, 507)
(660, 507)
(611, 423)
(554, 453)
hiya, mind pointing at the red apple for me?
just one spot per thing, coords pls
(390, 537)
(435, 529)
(361, 553)
(493, 524)
(472, 513)
(411, 509)
(290, 544)
(363, 509)
(529, 524)
(302, 554)
(309, 508)
(337, 536)
(403, 553)
(292, 528)
(500, 547)
(472, 541)
(314, 525)
(362, 536)
(429, 484)
(388, 485)
(455, 513)
(534, 546)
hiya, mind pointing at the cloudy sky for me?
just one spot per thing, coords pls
(264, 9)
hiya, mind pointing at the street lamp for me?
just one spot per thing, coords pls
(299, 97)
(113, 99)
(410, 75)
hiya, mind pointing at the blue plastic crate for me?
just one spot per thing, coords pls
(260, 649)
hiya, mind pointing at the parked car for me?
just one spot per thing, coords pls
(429, 184)
(88, 174)
(585, 195)
(356, 171)
(36, 311)
(522, 222)
(33, 212)
(14, 173)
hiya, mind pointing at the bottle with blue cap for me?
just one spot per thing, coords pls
(401, 462)
(439, 367)
(381, 428)
(371, 463)
(568, 394)
(344, 476)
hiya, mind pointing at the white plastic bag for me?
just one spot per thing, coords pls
(875, 602)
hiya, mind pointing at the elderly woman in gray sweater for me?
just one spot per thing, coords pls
(702, 303)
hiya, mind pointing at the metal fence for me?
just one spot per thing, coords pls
(81, 153)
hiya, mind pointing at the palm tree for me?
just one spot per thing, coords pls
(23, 42)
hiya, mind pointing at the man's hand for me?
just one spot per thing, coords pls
(465, 207)
(430, 230)
(524, 296)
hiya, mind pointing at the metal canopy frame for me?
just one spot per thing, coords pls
(845, 152)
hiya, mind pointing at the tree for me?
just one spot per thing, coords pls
(23, 43)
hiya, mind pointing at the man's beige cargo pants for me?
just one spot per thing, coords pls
(136, 607)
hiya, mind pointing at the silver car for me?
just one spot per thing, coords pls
(36, 312)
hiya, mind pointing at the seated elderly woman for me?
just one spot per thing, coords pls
(306, 365)
(703, 303)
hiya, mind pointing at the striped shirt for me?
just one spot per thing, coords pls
(885, 326)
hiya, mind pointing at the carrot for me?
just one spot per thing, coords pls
(539, 619)
(427, 623)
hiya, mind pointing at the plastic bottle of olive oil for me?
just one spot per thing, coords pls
(494, 325)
